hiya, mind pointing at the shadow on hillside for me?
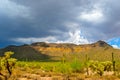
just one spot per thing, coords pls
(27, 53)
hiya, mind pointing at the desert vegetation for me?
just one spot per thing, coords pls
(6, 65)
(11, 69)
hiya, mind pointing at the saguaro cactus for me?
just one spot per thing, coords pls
(87, 65)
(113, 62)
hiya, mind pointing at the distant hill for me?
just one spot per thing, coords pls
(42, 51)
(26, 53)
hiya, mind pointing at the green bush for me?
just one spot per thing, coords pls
(64, 68)
(76, 66)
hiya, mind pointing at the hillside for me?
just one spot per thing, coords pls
(26, 53)
(53, 52)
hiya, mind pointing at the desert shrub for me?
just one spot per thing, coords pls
(47, 68)
(7, 64)
(64, 68)
(76, 66)
(107, 65)
(100, 67)
(97, 67)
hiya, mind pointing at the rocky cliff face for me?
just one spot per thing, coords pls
(53, 51)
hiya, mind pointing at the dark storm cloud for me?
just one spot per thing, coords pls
(109, 28)
(46, 18)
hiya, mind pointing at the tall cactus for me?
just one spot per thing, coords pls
(113, 62)
(87, 66)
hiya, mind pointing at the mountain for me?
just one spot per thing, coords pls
(26, 53)
(101, 44)
(41, 51)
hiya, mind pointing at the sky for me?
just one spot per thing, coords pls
(60, 21)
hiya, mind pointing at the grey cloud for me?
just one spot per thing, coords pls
(48, 18)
